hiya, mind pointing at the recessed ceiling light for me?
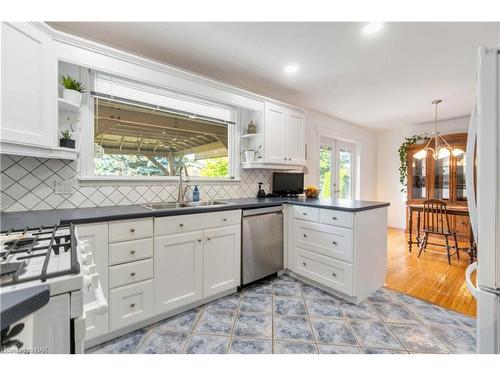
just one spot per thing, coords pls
(372, 28)
(291, 68)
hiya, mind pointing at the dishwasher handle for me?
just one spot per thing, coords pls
(263, 210)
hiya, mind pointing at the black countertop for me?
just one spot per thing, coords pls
(18, 304)
(33, 219)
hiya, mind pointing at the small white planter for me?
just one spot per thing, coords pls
(72, 96)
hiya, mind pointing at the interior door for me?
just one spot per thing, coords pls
(275, 135)
(221, 260)
(337, 168)
(178, 269)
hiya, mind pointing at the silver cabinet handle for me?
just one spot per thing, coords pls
(199, 239)
(132, 252)
(304, 263)
(132, 230)
(304, 213)
(289, 158)
(305, 235)
(132, 274)
(334, 242)
(208, 238)
(334, 218)
(224, 219)
(132, 305)
(181, 225)
(334, 274)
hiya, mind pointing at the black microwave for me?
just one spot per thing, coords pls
(288, 183)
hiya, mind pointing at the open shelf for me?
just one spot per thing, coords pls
(67, 106)
(251, 135)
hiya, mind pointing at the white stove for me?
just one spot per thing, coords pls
(53, 256)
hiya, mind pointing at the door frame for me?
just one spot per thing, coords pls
(337, 145)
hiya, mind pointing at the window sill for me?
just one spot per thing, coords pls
(123, 180)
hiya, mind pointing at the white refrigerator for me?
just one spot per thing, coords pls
(483, 194)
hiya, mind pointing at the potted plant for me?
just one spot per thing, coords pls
(72, 90)
(66, 140)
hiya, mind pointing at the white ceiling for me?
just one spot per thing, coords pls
(381, 81)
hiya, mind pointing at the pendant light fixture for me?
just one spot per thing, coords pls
(437, 145)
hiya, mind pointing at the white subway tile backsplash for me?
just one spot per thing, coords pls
(28, 184)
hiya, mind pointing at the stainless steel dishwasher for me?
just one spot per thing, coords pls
(262, 243)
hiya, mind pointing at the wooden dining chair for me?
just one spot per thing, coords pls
(436, 222)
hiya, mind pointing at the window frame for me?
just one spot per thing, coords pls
(87, 166)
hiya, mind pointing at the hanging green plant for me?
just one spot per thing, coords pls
(403, 157)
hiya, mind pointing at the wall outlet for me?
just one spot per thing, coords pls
(64, 187)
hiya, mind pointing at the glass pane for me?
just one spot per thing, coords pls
(461, 165)
(442, 178)
(345, 174)
(134, 141)
(325, 171)
(418, 174)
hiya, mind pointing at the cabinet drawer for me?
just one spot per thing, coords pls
(338, 218)
(189, 223)
(128, 273)
(130, 304)
(129, 251)
(127, 230)
(324, 239)
(306, 213)
(326, 271)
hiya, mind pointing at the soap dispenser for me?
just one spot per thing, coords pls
(261, 193)
(196, 194)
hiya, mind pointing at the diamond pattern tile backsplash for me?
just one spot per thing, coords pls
(27, 183)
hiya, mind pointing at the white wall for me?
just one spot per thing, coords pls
(366, 144)
(388, 186)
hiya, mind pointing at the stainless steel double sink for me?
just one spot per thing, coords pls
(175, 205)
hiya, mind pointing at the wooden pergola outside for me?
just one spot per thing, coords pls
(126, 129)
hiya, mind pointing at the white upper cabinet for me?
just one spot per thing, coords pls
(29, 86)
(284, 136)
(275, 131)
(295, 138)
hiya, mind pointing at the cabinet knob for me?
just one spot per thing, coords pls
(284, 158)
(132, 305)
(224, 219)
(304, 213)
(305, 235)
(199, 239)
(132, 252)
(334, 242)
(334, 218)
(304, 263)
(289, 158)
(132, 274)
(334, 274)
(132, 230)
(208, 238)
(181, 225)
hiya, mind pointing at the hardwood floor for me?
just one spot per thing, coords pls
(429, 277)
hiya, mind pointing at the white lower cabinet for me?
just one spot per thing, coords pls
(328, 271)
(130, 304)
(221, 259)
(178, 264)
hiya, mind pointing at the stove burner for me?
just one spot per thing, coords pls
(12, 269)
(37, 243)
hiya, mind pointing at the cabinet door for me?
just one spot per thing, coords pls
(295, 138)
(275, 141)
(178, 261)
(29, 86)
(96, 236)
(221, 260)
